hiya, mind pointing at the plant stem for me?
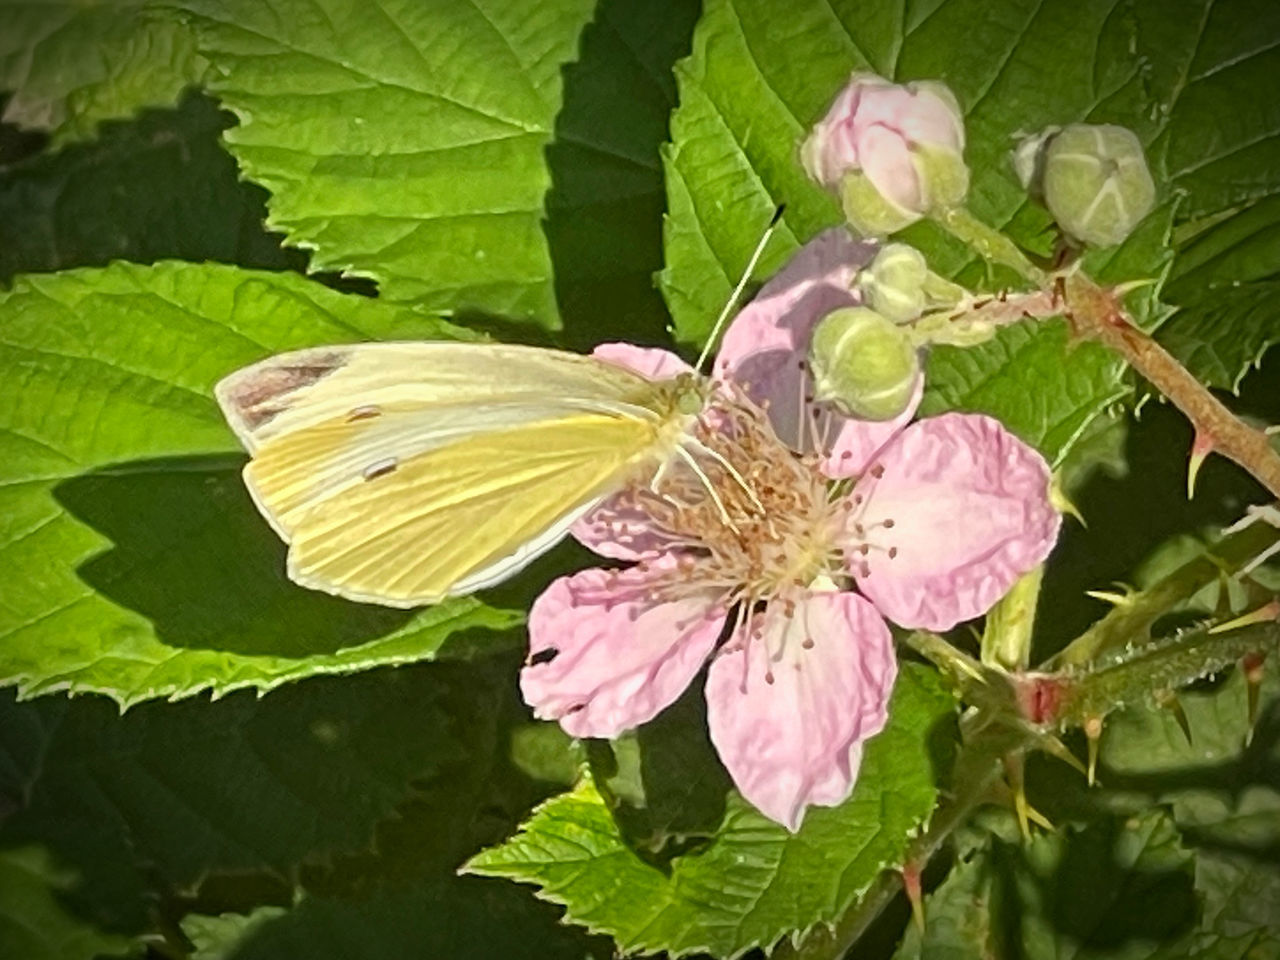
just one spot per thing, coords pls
(834, 943)
(1162, 667)
(990, 243)
(1132, 620)
(1097, 314)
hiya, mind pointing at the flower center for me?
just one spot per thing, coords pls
(748, 516)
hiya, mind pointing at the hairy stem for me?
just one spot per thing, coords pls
(1131, 621)
(1161, 667)
(990, 243)
(1097, 314)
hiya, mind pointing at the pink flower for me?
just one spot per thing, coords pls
(753, 559)
(891, 152)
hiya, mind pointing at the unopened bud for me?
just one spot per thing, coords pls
(891, 152)
(863, 364)
(893, 283)
(1094, 180)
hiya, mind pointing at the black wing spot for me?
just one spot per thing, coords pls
(381, 468)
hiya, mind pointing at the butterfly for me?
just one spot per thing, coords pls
(404, 473)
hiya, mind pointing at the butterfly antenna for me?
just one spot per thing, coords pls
(737, 291)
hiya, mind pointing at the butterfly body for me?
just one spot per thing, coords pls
(403, 473)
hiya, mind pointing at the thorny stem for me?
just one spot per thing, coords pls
(1097, 313)
(1165, 666)
(834, 943)
(1132, 620)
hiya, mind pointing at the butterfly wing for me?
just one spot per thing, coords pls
(401, 473)
(453, 519)
(303, 388)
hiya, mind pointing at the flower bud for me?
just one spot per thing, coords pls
(863, 364)
(893, 283)
(891, 152)
(1094, 180)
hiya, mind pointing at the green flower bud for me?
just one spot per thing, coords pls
(1095, 182)
(893, 283)
(863, 364)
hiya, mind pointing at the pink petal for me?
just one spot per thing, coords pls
(969, 508)
(931, 120)
(614, 528)
(888, 163)
(858, 441)
(604, 657)
(652, 362)
(764, 346)
(797, 741)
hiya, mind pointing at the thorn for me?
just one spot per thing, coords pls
(1038, 818)
(1013, 769)
(1201, 447)
(1265, 613)
(1056, 748)
(911, 884)
(1122, 598)
(1059, 500)
(1093, 733)
(1169, 701)
(1252, 665)
(1121, 290)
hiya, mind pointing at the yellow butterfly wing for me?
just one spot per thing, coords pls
(401, 473)
(453, 519)
(443, 383)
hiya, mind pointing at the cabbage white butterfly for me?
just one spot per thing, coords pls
(403, 473)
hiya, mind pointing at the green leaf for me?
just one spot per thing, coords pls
(148, 805)
(159, 186)
(34, 925)
(753, 883)
(1115, 890)
(399, 141)
(466, 919)
(147, 570)
(1221, 143)
(750, 92)
(71, 65)
(1225, 281)
(1223, 335)
(1224, 798)
(221, 937)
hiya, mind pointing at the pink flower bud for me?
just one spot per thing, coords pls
(891, 152)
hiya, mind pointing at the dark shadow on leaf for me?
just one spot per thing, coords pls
(192, 554)
(664, 783)
(605, 206)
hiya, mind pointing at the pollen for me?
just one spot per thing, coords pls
(760, 519)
